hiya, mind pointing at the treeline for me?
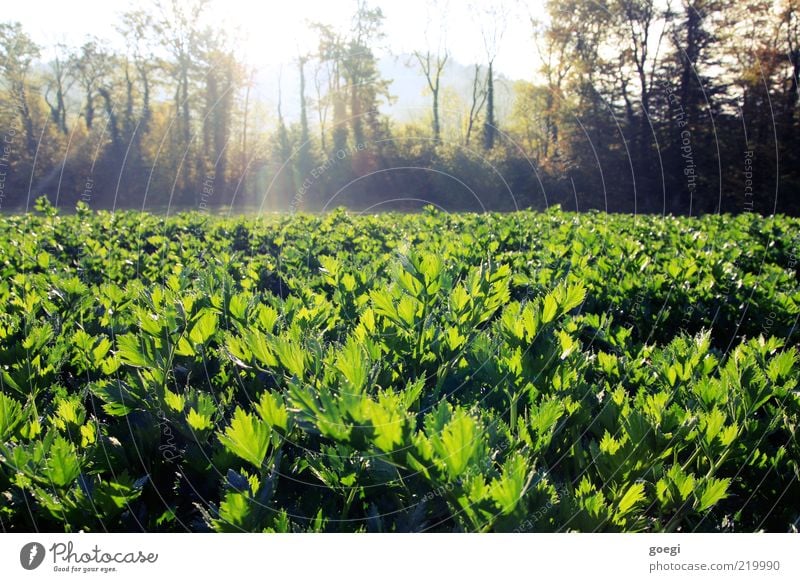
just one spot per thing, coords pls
(681, 106)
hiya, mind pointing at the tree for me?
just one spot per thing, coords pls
(492, 18)
(58, 84)
(637, 28)
(432, 62)
(359, 65)
(17, 53)
(479, 93)
(304, 154)
(179, 27)
(91, 66)
(136, 28)
(531, 122)
(553, 48)
(322, 75)
(692, 107)
(790, 26)
(759, 38)
(332, 51)
(221, 75)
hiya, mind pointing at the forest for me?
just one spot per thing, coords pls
(680, 107)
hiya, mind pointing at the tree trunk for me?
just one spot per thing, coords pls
(489, 124)
(436, 128)
(27, 121)
(89, 108)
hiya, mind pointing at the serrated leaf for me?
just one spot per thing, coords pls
(713, 421)
(88, 434)
(197, 421)
(271, 409)
(352, 362)
(458, 443)
(267, 317)
(234, 510)
(62, 466)
(713, 491)
(633, 495)
(510, 487)
(10, 416)
(174, 401)
(574, 296)
(101, 349)
(184, 348)
(247, 437)
(132, 351)
(546, 415)
(383, 305)
(781, 365)
(204, 328)
(549, 308)
(291, 356)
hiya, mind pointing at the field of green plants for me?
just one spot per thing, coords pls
(536, 372)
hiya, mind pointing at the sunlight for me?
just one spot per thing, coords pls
(268, 37)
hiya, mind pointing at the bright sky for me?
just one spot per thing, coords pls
(271, 32)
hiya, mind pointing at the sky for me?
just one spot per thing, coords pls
(271, 32)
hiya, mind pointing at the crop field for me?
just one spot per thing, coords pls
(527, 372)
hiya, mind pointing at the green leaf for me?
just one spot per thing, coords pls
(382, 301)
(9, 382)
(132, 351)
(204, 328)
(62, 466)
(549, 308)
(683, 483)
(510, 487)
(10, 416)
(234, 511)
(329, 266)
(609, 445)
(272, 410)
(633, 495)
(43, 260)
(291, 356)
(713, 421)
(237, 306)
(184, 348)
(174, 401)
(68, 412)
(713, 491)
(458, 443)
(118, 399)
(545, 417)
(197, 421)
(458, 298)
(112, 497)
(88, 434)
(387, 421)
(413, 391)
(38, 337)
(573, 297)
(267, 317)
(729, 434)
(781, 365)
(247, 437)
(353, 364)
(568, 344)
(100, 350)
